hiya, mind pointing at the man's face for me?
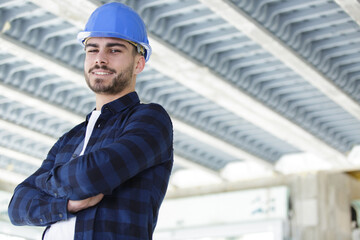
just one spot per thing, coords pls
(109, 65)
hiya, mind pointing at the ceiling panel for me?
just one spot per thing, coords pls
(248, 84)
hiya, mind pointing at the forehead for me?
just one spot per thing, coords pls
(104, 41)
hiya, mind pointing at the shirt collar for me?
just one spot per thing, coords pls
(119, 104)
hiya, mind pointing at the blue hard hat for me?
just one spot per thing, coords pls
(119, 21)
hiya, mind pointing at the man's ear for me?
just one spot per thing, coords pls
(139, 64)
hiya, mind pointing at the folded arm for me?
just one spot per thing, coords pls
(145, 142)
(31, 206)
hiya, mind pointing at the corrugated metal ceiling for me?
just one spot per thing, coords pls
(244, 80)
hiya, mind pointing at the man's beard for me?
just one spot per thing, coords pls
(120, 82)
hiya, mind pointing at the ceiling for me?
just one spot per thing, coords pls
(255, 88)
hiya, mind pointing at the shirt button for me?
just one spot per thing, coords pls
(60, 215)
(74, 155)
(41, 220)
(55, 194)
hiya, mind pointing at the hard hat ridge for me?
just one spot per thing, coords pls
(119, 21)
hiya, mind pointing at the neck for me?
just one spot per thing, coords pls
(101, 99)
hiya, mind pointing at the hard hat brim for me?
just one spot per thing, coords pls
(82, 36)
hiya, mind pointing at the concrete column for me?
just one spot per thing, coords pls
(321, 206)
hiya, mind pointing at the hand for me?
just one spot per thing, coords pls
(74, 206)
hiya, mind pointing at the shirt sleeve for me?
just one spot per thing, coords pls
(31, 206)
(146, 141)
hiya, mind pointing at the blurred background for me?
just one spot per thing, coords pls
(264, 96)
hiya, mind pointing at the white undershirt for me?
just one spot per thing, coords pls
(65, 230)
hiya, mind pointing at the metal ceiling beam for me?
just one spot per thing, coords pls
(10, 177)
(40, 60)
(22, 131)
(41, 105)
(219, 144)
(351, 7)
(203, 81)
(20, 156)
(277, 48)
(74, 12)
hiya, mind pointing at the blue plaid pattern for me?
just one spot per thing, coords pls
(129, 158)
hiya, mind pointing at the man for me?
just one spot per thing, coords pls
(106, 177)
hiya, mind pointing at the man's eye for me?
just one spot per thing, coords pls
(92, 50)
(115, 50)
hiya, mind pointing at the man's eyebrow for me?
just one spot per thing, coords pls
(116, 45)
(109, 45)
(91, 45)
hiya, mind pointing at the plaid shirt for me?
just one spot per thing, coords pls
(128, 158)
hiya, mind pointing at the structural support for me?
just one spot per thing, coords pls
(20, 156)
(204, 82)
(42, 106)
(40, 60)
(27, 133)
(273, 45)
(209, 85)
(75, 12)
(351, 7)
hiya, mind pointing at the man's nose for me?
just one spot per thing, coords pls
(101, 58)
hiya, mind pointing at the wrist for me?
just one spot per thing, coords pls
(75, 206)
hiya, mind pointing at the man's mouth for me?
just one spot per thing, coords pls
(101, 73)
